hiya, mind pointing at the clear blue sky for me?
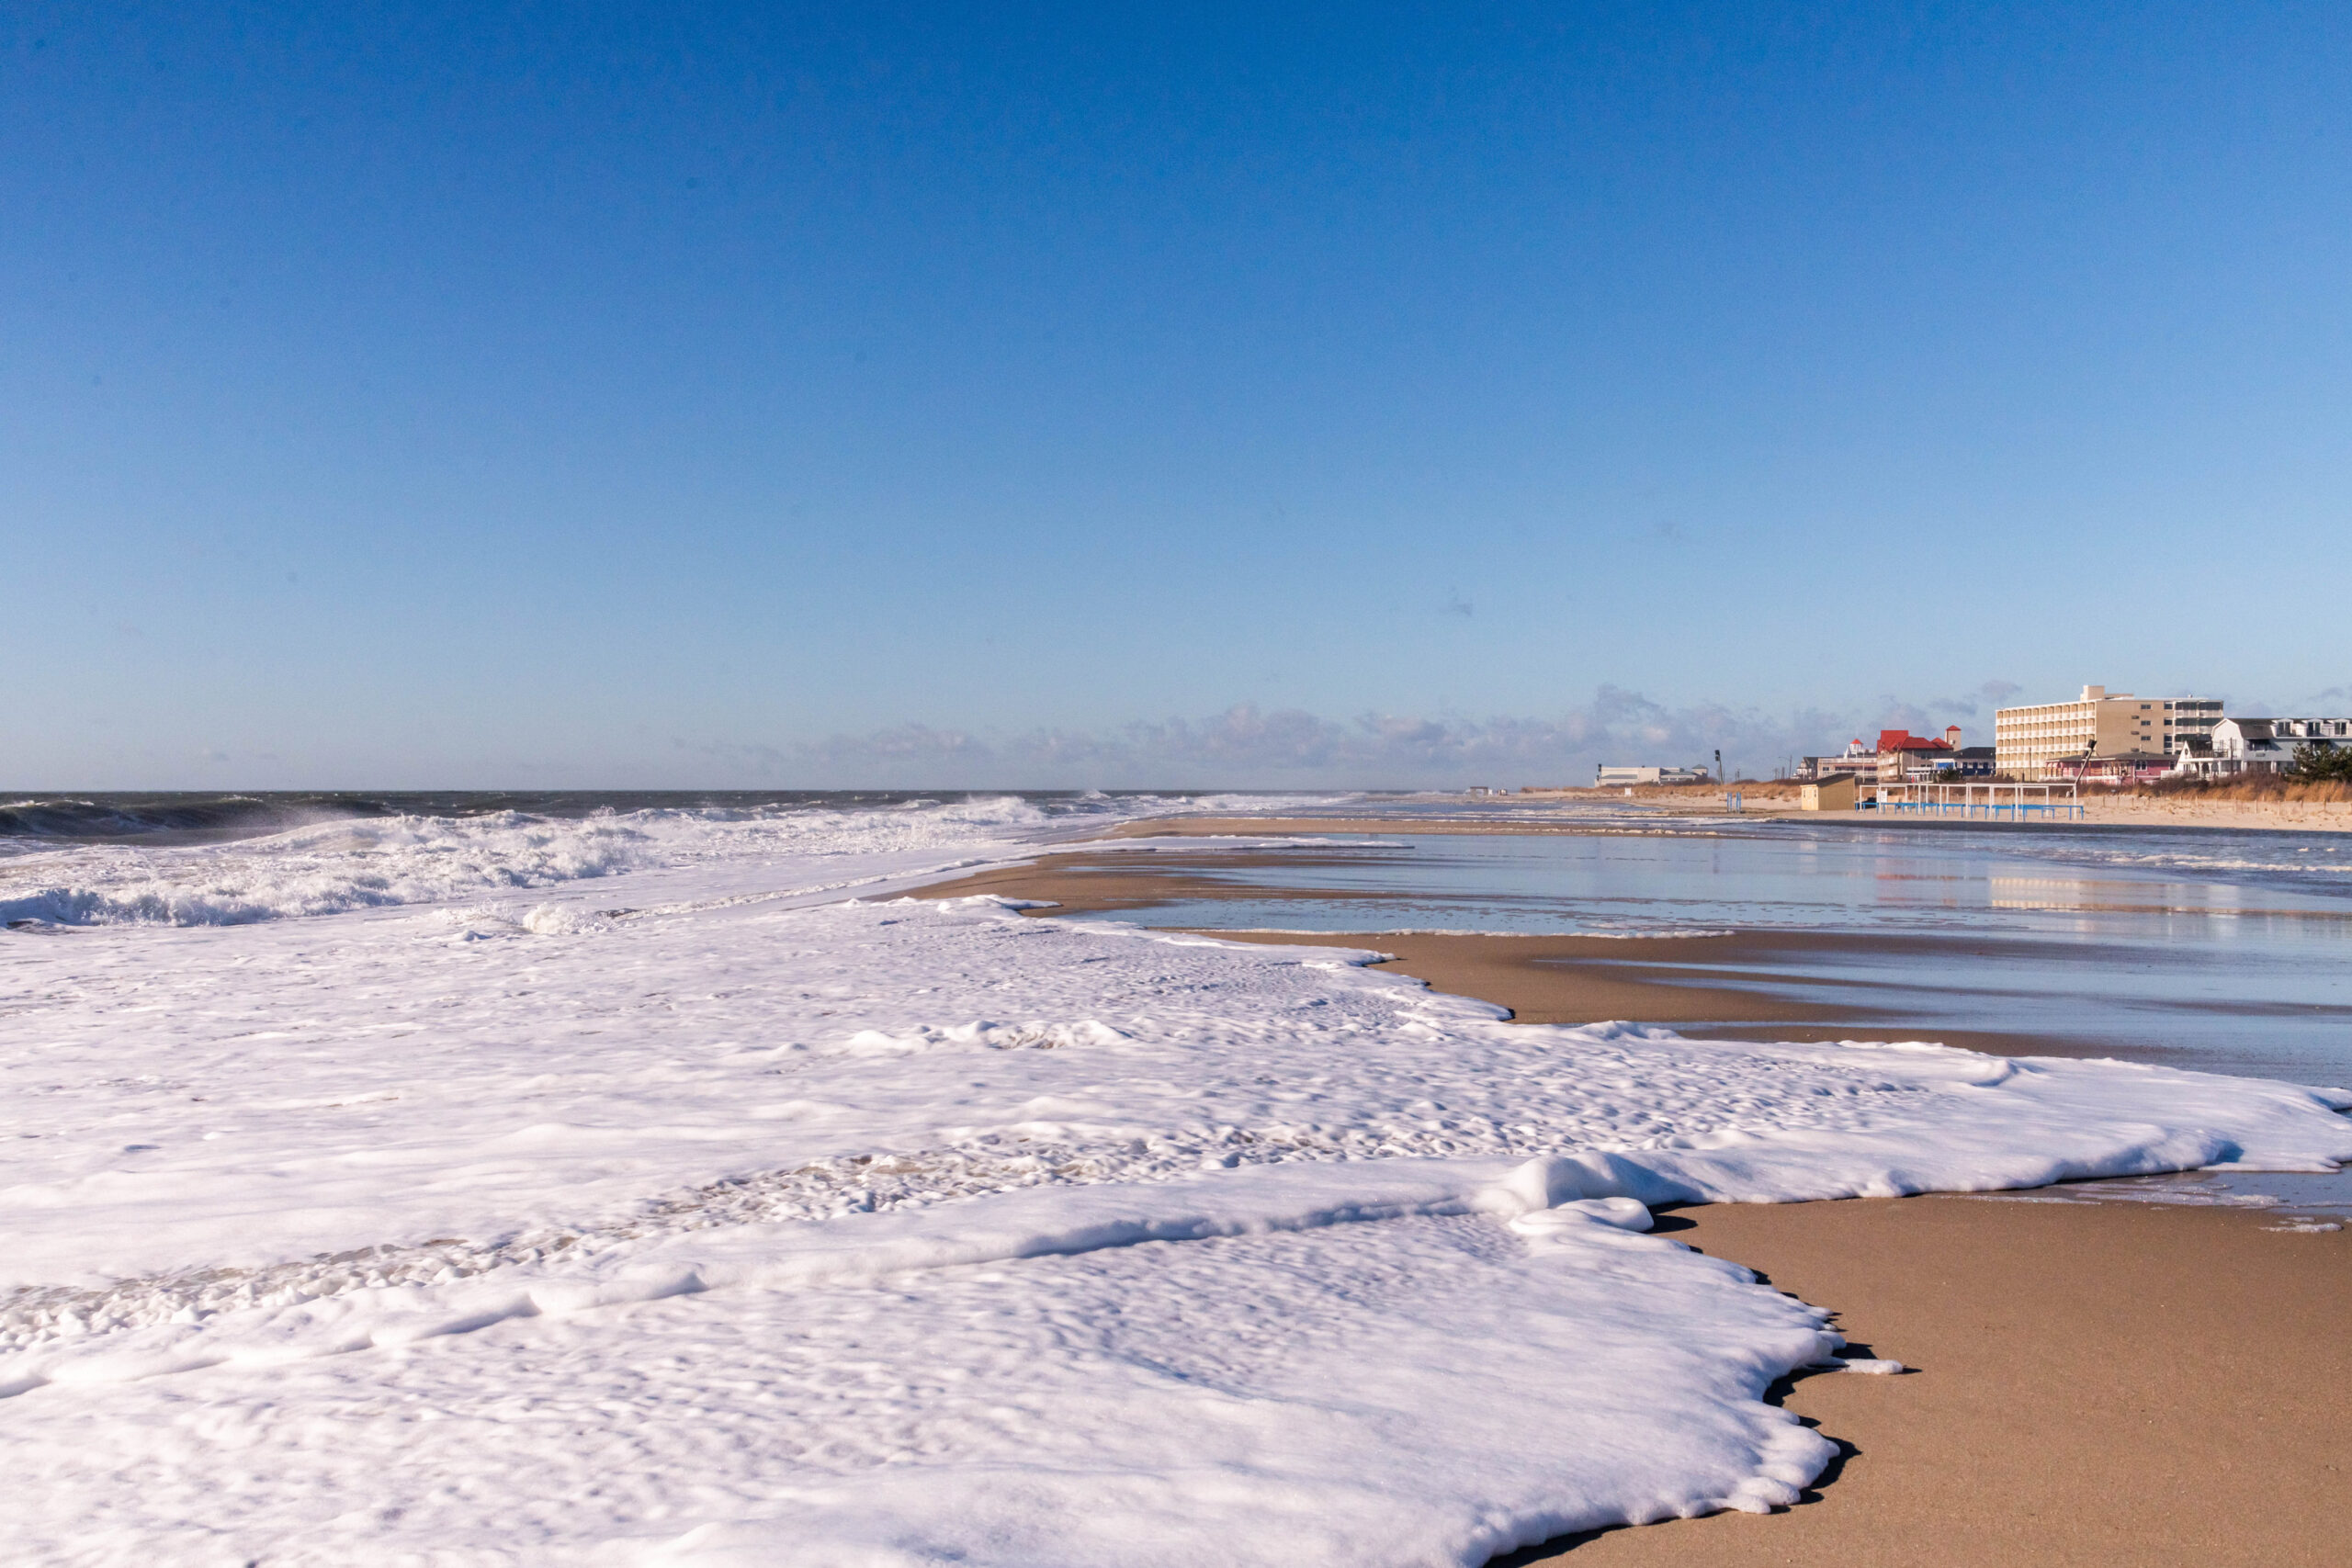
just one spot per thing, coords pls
(701, 395)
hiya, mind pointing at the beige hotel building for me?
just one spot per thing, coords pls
(2027, 740)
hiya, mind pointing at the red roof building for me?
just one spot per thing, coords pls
(1904, 740)
(1901, 754)
(1898, 755)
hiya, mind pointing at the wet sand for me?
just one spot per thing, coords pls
(2096, 1382)
(1690, 983)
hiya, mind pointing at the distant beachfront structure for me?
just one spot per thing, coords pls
(1900, 757)
(1856, 761)
(1838, 793)
(2121, 767)
(1903, 755)
(1609, 775)
(2265, 745)
(2029, 742)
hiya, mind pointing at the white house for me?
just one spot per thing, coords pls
(2264, 745)
(1609, 775)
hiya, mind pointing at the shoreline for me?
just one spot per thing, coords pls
(2125, 815)
(1800, 984)
(2090, 1383)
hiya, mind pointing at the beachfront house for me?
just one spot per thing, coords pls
(1904, 757)
(2243, 746)
(1900, 757)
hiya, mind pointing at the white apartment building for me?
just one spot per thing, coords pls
(2027, 740)
(2194, 720)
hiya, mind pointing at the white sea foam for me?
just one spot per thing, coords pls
(356, 864)
(707, 1223)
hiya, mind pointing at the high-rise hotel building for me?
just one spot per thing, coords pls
(2027, 740)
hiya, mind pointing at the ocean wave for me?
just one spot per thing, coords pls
(183, 817)
(360, 862)
(55, 818)
(325, 870)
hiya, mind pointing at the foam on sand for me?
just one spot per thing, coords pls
(719, 1229)
(1425, 1385)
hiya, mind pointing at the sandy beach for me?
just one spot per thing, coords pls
(2094, 1382)
(2171, 811)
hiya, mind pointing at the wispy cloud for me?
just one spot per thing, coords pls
(1247, 746)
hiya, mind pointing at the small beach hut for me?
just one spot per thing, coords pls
(1829, 795)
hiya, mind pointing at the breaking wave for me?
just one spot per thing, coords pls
(358, 861)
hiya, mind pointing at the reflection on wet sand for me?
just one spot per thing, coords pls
(2243, 968)
(1946, 940)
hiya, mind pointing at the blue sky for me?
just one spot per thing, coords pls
(609, 395)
